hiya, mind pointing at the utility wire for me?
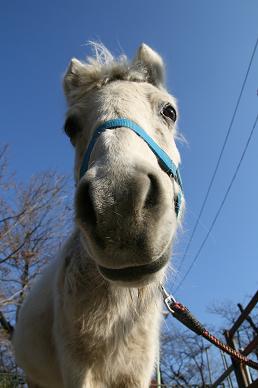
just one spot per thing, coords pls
(219, 159)
(221, 205)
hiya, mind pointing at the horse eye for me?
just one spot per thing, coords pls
(169, 112)
(72, 127)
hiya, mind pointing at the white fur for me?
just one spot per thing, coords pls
(77, 329)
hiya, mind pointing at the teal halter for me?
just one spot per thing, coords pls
(166, 163)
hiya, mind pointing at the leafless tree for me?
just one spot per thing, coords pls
(34, 218)
(186, 358)
(229, 312)
(247, 331)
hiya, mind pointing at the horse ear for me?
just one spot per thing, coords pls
(153, 63)
(72, 78)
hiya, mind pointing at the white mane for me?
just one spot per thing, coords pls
(102, 67)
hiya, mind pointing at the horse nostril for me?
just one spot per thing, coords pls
(153, 193)
(84, 204)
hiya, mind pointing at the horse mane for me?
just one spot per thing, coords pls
(102, 68)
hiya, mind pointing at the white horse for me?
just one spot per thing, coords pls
(92, 319)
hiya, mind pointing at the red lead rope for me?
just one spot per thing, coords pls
(182, 314)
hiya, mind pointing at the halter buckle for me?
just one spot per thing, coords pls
(169, 300)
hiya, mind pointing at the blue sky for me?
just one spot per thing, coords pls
(206, 46)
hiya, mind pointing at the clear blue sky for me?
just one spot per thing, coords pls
(206, 46)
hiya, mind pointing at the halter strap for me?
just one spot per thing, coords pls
(166, 163)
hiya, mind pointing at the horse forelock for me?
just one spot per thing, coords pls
(102, 68)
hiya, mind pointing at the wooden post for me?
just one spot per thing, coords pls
(238, 367)
(224, 360)
(208, 364)
(158, 370)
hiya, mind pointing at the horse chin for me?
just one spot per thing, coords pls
(136, 276)
(145, 281)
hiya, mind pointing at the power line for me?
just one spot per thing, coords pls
(219, 159)
(221, 205)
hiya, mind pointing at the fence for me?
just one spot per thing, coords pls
(241, 371)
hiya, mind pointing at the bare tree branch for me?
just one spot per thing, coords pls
(6, 325)
(34, 219)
